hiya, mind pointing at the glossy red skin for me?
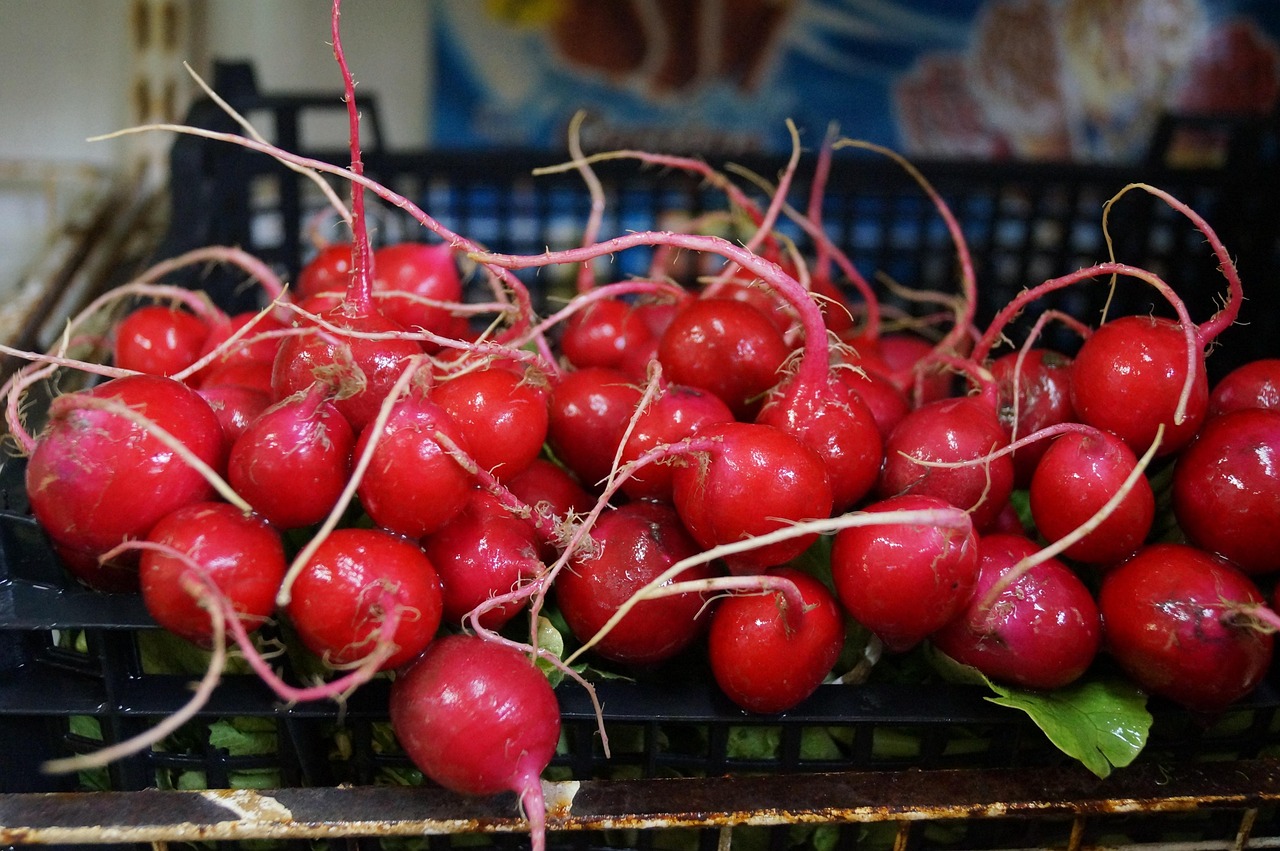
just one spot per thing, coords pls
(420, 269)
(950, 430)
(1075, 478)
(1127, 377)
(677, 413)
(503, 416)
(1042, 631)
(242, 555)
(1169, 619)
(250, 374)
(834, 422)
(1226, 488)
(292, 462)
(158, 340)
(337, 601)
(749, 290)
(901, 353)
(633, 545)
(95, 479)
(1252, 385)
(888, 405)
(904, 582)
(236, 406)
(604, 333)
(588, 414)
(553, 492)
(726, 347)
(247, 347)
(412, 486)
(766, 664)
(329, 270)
(756, 479)
(304, 358)
(475, 716)
(483, 552)
(1044, 399)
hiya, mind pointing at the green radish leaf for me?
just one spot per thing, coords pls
(1103, 723)
(550, 640)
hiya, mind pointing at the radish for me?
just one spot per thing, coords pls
(329, 270)
(1179, 622)
(631, 546)
(1255, 384)
(349, 586)
(1034, 392)
(158, 339)
(678, 412)
(240, 555)
(949, 431)
(483, 552)
(1077, 476)
(605, 333)
(106, 468)
(765, 662)
(413, 485)
(416, 282)
(501, 413)
(1226, 488)
(478, 718)
(292, 462)
(1042, 630)
(589, 410)
(236, 406)
(905, 581)
(754, 479)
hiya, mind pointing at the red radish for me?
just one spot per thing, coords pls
(725, 347)
(482, 553)
(346, 589)
(248, 374)
(632, 546)
(427, 273)
(554, 494)
(832, 419)
(1128, 377)
(329, 270)
(1041, 631)
(888, 405)
(236, 406)
(158, 339)
(258, 342)
(767, 662)
(293, 461)
(1035, 392)
(950, 431)
(755, 479)
(907, 357)
(241, 555)
(101, 473)
(603, 334)
(1226, 488)
(478, 718)
(589, 412)
(1255, 384)
(677, 413)
(904, 581)
(502, 414)
(1078, 475)
(1178, 621)
(413, 486)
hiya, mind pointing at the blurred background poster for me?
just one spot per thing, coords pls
(1080, 80)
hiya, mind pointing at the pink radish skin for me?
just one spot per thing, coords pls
(589, 411)
(1043, 386)
(1226, 488)
(478, 718)
(1042, 631)
(677, 413)
(903, 582)
(632, 546)
(242, 556)
(501, 413)
(1252, 385)
(1075, 478)
(768, 662)
(1178, 622)
(96, 478)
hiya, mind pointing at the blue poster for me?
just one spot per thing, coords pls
(1081, 80)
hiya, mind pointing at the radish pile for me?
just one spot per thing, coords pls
(417, 484)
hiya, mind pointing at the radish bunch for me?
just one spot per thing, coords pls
(418, 484)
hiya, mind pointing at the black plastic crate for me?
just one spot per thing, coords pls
(77, 668)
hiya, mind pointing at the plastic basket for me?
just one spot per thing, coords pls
(881, 765)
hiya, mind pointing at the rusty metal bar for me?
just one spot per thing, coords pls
(905, 797)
